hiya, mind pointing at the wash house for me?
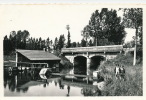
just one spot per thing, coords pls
(36, 59)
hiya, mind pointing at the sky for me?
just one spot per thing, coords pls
(48, 20)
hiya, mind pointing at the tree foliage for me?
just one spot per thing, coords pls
(105, 25)
(133, 19)
(21, 40)
(83, 43)
(61, 42)
(86, 34)
(74, 44)
(69, 40)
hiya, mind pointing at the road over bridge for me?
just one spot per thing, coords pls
(88, 59)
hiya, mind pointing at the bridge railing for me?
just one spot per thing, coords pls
(111, 48)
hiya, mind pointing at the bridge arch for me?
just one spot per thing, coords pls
(80, 65)
(96, 61)
(85, 65)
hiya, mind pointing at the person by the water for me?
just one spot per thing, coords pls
(117, 71)
(122, 72)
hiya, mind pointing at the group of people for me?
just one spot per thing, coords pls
(119, 71)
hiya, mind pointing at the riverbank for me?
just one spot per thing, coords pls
(132, 86)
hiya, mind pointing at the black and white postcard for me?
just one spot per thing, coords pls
(72, 50)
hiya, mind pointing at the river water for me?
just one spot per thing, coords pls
(33, 84)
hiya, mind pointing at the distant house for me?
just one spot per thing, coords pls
(36, 58)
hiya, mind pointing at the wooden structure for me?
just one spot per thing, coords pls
(36, 59)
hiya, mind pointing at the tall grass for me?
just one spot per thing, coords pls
(131, 86)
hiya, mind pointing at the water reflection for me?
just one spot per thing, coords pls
(60, 84)
(30, 83)
(68, 88)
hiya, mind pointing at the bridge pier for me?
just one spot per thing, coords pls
(72, 61)
(88, 65)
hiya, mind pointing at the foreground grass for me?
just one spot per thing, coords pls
(132, 86)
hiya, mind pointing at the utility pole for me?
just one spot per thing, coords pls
(134, 59)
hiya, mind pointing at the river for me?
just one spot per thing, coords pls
(33, 84)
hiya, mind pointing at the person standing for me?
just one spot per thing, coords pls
(122, 73)
(117, 71)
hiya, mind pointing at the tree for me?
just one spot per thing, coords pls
(47, 42)
(7, 45)
(90, 43)
(51, 42)
(68, 37)
(43, 44)
(40, 43)
(25, 35)
(21, 38)
(129, 44)
(106, 25)
(85, 34)
(13, 40)
(78, 44)
(74, 44)
(61, 42)
(36, 44)
(83, 43)
(51, 46)
(133, 19)
(56, 43)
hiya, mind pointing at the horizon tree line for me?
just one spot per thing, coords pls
(22, 40)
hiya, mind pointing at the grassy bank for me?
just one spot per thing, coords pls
(132, 86)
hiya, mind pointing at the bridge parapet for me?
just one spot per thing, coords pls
(110, 48)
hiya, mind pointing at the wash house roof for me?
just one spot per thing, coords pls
(38, 55)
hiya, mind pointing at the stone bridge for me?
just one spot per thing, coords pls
(89, 57)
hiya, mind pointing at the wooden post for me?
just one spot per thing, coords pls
(16, 80)
(73, 64)
(21, 66)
